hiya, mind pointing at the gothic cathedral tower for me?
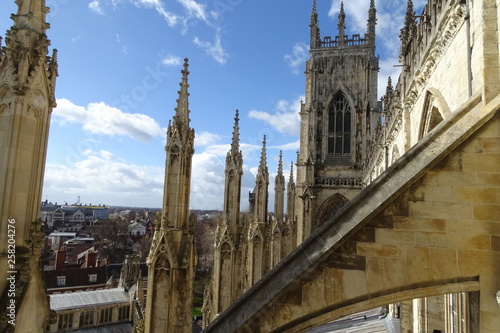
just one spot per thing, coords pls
(27, 85)
(337, 118)
(171, 260)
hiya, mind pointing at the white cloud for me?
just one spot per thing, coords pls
(387, 70)
(286, 120)
(207, 182)
(95, 6)
(206, 138)
(288, 146)
(99, 118)
(218, 150)
(110, 180)
(299, 55)
(356, 12)
(102, 177)
(213, 49)
(172, 60)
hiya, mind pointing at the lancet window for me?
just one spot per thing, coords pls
(339, 126)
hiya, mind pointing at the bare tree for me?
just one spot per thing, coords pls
(112, 239)
(204, 235)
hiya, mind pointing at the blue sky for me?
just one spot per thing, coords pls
(119, 74)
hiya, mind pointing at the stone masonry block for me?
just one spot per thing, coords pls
(490, 179)
(375, 277)
(452, 162)
(442, 193)
(456, 178)
(380, 250)
(491, 129)
(473, 227)
(422, 224)
(395, 272)
(481, 163)
(394, 237)
(487, 212)
(418, 263)
(491, 145)
(471, 146)
(440, 210)
(472, 263)
(449, 240)
(478, 194)
(443, 263)
(354, 283)
(495, 243)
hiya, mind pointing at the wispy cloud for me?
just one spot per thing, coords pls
(171, 18)
(187, 15)
(195, 9)
(285, 119)
(96, 7)
(171, 60)
(213, 49)
(76, 38)
(100, 118)
(297, 58)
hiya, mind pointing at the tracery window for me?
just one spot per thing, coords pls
(339, 126)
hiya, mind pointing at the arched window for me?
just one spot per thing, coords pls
(330, 208)
(339, 126)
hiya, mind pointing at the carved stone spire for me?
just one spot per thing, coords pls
(372, 21)
(280, 165)
(389, 92)
(341, 24)
(315, 41)
(261, 187)
(408, 31)
(279, 191)
(291, 196)
(235, 143)
(182, 110)
(180, 150)
(171, 260)
(27, 43)
(263, 158)
(234, 171)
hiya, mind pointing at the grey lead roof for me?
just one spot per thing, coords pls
(88, 298)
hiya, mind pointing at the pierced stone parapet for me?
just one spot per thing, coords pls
(337, 182)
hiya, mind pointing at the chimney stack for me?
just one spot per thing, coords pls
(60, 258)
